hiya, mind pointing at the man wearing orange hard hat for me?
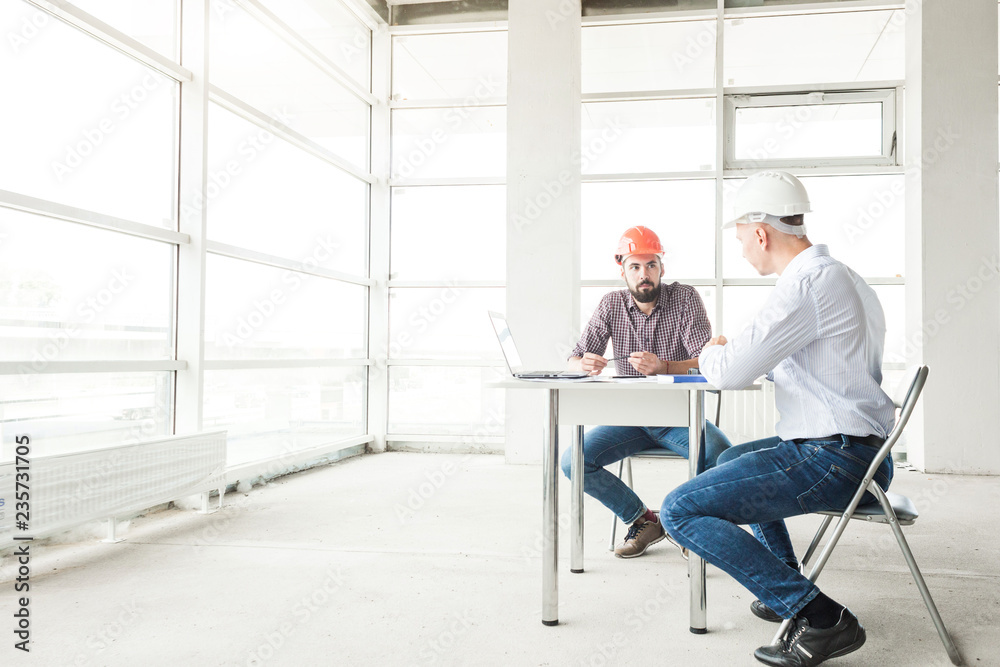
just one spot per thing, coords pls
(653, 329)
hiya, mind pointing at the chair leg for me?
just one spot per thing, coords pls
(614, 518)
(949, 644)
(815, 543)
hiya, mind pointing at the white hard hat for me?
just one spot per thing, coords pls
(768, 196)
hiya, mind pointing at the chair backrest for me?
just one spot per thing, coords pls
(905, 398)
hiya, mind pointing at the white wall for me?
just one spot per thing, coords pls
(953, 234)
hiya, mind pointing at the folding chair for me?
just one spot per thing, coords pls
(889, 508)
(656, 453)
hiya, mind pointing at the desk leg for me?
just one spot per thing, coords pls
(550, 513)
(576, 506)
(696, 566)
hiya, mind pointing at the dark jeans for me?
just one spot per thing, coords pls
(604, 445)
(760, 483)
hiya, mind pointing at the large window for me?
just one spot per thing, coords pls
(447, 237)
(100, 248)
(828, 114)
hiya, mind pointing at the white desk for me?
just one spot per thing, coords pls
(610, 404)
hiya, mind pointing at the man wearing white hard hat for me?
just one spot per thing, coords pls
(819, 337)
(653, 329)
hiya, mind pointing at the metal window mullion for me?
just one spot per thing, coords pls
(93, 26)
(722, 133)
(271, 21)
(430, 182)
(806, 89)
(51, 209)
(466, 363)
(277, 364)
(806, 168)
(260, 119)
(444, 284)
(650, 176)
(840, 7)
(92, 366)
(649, 95)
(364, 12)
(235, 252)
(449, 103)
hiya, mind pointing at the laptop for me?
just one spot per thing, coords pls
(513, 359)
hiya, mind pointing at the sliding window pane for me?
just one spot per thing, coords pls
(95, 130)
(69, 292)
(898, 347)
(739, 306)
(814, 48)
(449, 143)
(271, 412)
(814, 131)
(254, 311)
(427, 400)
(650, 136)
(649, 56)
(334, 30)
(259, 67)
(682, 213)
(443, 322)
(438, 222)
(267, 195)
(155, 23)
(460, 66)
(74, 412)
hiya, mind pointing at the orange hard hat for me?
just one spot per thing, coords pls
(638, 241)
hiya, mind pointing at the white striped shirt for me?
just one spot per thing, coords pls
(819, 336)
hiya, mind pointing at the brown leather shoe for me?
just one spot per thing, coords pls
(641, 534)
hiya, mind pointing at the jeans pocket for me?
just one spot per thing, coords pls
(831, 493)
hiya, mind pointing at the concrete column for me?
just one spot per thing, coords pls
(953, 234)
(191, 188)
(543, 201)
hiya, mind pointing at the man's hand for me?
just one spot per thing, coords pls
(646, 363)
(718, 340)
(593, 363)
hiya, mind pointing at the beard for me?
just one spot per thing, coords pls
(645, 296)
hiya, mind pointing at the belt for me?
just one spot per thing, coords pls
(864, 440)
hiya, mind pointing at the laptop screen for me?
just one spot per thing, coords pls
(510, 354)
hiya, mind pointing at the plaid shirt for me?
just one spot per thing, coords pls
(676, 330)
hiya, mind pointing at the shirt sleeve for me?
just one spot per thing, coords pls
(785, 325)
(695, 327)
(595, 338)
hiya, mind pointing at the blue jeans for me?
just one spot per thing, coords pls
(760, 483)
(604, 445)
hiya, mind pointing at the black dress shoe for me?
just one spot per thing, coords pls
(761, 610)
(806, 646)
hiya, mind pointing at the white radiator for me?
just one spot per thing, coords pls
(70, 489)
(748, 415)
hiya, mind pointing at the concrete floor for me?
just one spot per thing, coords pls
(426, 559)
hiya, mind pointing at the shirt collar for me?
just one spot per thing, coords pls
(800, 261)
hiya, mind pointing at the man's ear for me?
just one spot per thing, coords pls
(762, 239)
